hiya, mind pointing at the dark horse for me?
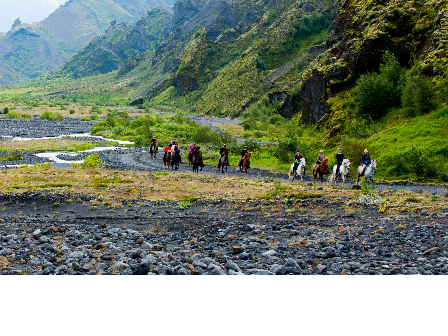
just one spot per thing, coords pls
(197, 161)
(322, 171)
(175, 160)
(223, 161)
(153, 150)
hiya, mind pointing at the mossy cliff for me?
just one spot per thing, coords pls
(413, 31)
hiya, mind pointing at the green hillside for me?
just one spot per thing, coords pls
(31, 50)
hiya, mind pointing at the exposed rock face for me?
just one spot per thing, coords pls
(192, 63)
(313, 96)
(16, 23)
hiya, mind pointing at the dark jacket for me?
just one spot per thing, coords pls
(365, 159)
(222, 150)
(339, 158)
(298, 157)
(243, 152)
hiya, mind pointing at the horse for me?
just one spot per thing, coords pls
(299, 172)
(370, 170)
(197, 162)
(343, 171)
(167, 160)
(153, 150)
(175, 161)
(223, 161)
(322, 171)
(244, 163)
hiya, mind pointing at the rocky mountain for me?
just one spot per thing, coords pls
(214, 57)
(28, 51)
(110, 51)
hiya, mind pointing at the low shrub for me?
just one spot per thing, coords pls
(52, 116)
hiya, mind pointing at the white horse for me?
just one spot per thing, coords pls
(370, 170)
(343, 171)
(300, 170)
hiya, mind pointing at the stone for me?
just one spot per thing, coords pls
(100, 246)
(278, 269)
(183, 271)
(4, 262)
(188, 266)
(316, 262)
(163, 270)
(245, 256)
(292, 267)
(146, 246)
(157, 247)
(269, 253)
(43, 239)
(215, 270)
(237, 249)
(37, 233)
(232, 272)
(140, 240)
(53, 229)
(233, 266)
(300, 244)
(344, 272)
(434, 249)
(262, 272)
(143, 269)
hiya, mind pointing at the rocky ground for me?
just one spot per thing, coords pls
(214, 237)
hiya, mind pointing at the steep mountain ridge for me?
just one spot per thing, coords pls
(28, 51)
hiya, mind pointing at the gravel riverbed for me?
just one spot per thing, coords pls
(209, 238)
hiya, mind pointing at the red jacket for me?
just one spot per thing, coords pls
(167, 149)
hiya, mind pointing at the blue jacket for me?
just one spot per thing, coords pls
(298, 157)
(366, 159)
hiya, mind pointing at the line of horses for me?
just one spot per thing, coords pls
(323, 170)
(197, 162)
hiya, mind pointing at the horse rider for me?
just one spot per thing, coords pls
(365, 161)
(154, 142)
(243, 153)
(320, 158)
(339, 159)
(174, 142)
(223, 150)
(297, 158)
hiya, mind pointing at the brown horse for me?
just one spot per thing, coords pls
(167, 160)
(324, 170)
(244, 163)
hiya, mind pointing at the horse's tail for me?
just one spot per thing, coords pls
(291, 174)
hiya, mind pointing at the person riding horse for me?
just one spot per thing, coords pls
(167, 149)
(297, 158)
(243, 153)
(320, 158)
(154, 141)
(176, 157)
(365, 161)
(339, 159)
(223, 158)
(193, 149)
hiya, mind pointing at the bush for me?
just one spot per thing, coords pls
(72, 112)
(15, 115)
(91, 161)
(5, 110)
(418, 95)
(375, 93)
(52, 116)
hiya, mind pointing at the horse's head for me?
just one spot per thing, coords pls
(248, 155)
(374, 163)
(325, 162)
(302, 160)
(346, 163)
